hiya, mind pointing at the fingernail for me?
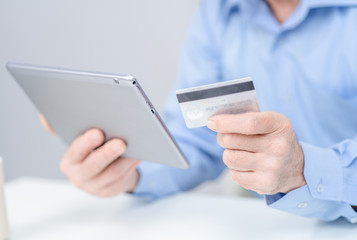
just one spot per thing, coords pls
(211, 124)
(117, 147)
(94, 135)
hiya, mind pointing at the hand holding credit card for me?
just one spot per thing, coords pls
(198, 104)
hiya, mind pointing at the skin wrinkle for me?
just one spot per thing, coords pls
(277, 168)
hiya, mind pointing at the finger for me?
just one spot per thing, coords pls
(115, 171)
(251, 143)
(247, 180)
(118, 186)
(101, 158)
(82, 146)
(247, 123)
(46, 125)
(256, 181)
(240, 160)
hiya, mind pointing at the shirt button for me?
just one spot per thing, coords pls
(320, 188)
(302, 205)
(353, 220)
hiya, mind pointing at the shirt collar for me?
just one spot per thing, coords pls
(240, 4)
(330, 3)
(249, 6)
(308, 3)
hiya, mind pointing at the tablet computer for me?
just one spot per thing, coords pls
(74, 101)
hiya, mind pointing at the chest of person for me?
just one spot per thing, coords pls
(307, 72)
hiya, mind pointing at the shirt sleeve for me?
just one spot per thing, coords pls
(199, 64)
(330, 192)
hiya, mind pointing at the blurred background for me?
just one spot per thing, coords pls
(139, 37)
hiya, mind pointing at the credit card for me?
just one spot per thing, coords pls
(198, 104)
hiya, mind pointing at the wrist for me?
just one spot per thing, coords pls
(132, 181)
(298, 179)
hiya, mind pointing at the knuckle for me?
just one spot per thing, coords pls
(114, 171)
(281, 148)
(231, 158)
(64, 166)
(233, 175)
(78, 182)
(266, 116)
(286, 124)
(94, 134)
(252, 123)
(227, 140)
(109, 150)
(95, 167)
(218, 124)
(73, 151)
(90, 189)
(275, 166)
(245, 186)
(220, 139)
(120, 183)
(227, 156)
(104, 194)
(236, 177)
(270, 184)
(89, 140)
(107, 192)
(272, 165)
(113, 148)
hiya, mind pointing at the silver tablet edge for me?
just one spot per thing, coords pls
(128, 79)
(163, 125)
(122, 78)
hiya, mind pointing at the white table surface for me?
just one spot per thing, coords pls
(49, 209)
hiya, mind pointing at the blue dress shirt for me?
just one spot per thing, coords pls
(305, 68)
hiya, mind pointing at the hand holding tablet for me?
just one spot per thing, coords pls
(107, 121)
(114, 177)
(110, 125)
(75, 101)
(99, 169)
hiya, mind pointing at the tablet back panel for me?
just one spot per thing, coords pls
(75, 101)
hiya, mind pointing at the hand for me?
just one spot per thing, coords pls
(261, 151)
(98, 169)
(46, 125)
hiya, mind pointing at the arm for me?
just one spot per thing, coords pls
(264, 156)
(100, 170)
(200, 64)
(331, 176)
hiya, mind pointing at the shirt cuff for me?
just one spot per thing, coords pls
(321, 197)
(155, 181)
(300, 202)
(323, 172)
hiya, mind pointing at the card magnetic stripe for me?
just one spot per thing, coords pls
(215, 92)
